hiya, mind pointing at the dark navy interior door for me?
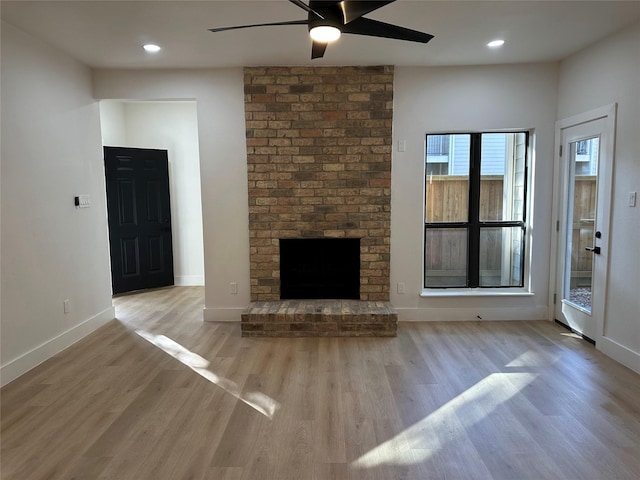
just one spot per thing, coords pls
(139, 218)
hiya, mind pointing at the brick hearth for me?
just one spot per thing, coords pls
(300, 318)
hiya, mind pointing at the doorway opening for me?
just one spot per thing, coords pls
(170, 126)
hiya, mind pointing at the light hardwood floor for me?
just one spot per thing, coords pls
(158, 394)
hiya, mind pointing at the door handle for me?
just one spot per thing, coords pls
(593, 249)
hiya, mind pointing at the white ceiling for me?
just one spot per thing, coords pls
(109, 34)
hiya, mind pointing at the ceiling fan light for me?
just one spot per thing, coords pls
(325, 33)
(151, 48)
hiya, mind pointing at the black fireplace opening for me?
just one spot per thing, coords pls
(320, 268)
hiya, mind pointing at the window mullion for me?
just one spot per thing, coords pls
(473, 250)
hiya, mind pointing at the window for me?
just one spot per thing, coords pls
(586, 157)
(583, 147)
(437, 145)
(438, 148)
(475, 211)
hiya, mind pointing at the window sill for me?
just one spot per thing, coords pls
(476, 292)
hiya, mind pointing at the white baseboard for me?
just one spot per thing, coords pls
(469, 314)
(188, 280)
(222, 314)
(31, 359)
(619, 353)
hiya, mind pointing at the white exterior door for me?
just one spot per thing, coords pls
(585, 164)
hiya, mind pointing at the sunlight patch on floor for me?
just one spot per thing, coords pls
(426, 437)
(256, 400)
(532, 358)
(572, 335)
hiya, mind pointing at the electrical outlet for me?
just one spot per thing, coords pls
(402, 145)
(401, 287)
(65, 306)
(233, 288)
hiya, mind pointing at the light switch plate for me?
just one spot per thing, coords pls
(84, 201)
(632, 199)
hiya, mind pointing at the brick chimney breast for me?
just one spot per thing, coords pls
(319, 166)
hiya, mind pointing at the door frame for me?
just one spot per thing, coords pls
(606, 113)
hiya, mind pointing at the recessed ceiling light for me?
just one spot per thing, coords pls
(495, 43)
(151, 48)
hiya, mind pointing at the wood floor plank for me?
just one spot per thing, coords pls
(174, 454)
(159, 395)
(224, 473)
(328, 425)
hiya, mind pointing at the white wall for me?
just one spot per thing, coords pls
(606, 73)
(51, 251)
(219, 96)
(113, 123)
(469, 99)
(170, 126)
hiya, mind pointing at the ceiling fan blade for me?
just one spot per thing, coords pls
(374, 28)
(354, 10)
(292, 22)
(306, 7)
(318, 49)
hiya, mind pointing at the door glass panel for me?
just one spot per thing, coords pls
(581, 218)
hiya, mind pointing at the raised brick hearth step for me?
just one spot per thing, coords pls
(309, 318)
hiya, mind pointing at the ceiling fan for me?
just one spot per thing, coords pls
(327, 20)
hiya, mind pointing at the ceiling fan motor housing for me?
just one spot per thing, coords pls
(332, 17)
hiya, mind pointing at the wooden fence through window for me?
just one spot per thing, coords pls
(446, 200)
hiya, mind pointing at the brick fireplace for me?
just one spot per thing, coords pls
(319, 166)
